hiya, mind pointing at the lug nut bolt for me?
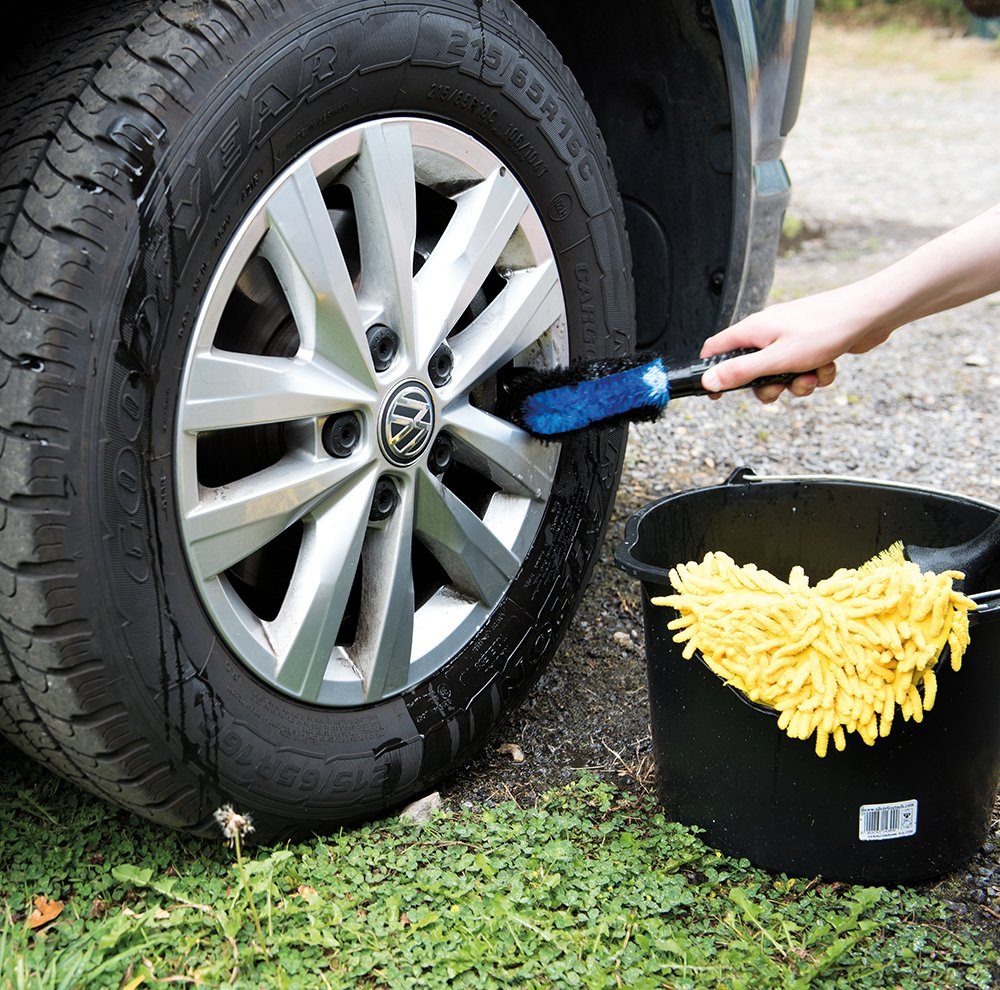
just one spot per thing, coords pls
(341, 434)
(383, 344)
(440, 455)
(384, 501)
(440, 367)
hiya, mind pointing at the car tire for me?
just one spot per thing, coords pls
(135, 168)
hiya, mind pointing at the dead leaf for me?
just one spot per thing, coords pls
(161, 915)
(515, 751)
(306, 891)
(44, 912)
(404, 919)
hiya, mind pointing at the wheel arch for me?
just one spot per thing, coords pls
(656, 80)
(693, 100)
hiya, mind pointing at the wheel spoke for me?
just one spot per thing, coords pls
(233, 521)
(528, 306)
(499, 449)
(486, 217)
(226, 390)
(348, 632)
(384, 190)
(305, 254)
(384, 642)
(305, 632)
(476, 561)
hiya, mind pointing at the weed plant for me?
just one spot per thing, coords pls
(592, 887)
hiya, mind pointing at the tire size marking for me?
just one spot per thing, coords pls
(461, 41)
(464, 100)
(267, 766)
(520, 76)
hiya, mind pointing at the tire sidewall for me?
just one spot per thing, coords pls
(244, 740)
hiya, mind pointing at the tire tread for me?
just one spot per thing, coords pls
(41, 636)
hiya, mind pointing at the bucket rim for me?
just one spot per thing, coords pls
(626, 561)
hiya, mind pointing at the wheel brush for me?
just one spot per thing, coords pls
(553, 405)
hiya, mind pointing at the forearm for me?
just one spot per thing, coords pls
(955, 268)
(814, 331)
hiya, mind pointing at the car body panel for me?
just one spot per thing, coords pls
(765, 47)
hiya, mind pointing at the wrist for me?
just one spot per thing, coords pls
(881, 307)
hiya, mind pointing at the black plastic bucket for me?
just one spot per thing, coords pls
(722, 762)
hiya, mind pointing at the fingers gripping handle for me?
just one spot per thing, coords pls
(686, 379)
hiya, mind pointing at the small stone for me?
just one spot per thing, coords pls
(976, 360)
(420, 811)
(624, 639)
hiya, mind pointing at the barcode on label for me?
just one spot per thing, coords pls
(887, 821)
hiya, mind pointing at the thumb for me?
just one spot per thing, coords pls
(745, 368)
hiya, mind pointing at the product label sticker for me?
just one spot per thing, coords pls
(887, 821)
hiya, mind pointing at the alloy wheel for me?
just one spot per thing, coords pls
(353, 503)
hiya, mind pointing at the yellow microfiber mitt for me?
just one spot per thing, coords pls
(832, 658)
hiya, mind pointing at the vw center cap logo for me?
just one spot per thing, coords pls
(407, 423)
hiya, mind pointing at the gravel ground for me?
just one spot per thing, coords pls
(896, 142)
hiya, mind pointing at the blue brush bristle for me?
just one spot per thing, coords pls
(573, 407)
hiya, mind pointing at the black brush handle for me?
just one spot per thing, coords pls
(686, 379)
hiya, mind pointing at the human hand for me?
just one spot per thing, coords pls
(953, 269)
(808, 333)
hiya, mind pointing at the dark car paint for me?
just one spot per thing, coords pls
(765, 45)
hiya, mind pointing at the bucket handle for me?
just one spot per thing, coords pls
(744, 475)
(987, 606)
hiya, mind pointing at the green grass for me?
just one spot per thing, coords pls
(907, 13)
(591, 888)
